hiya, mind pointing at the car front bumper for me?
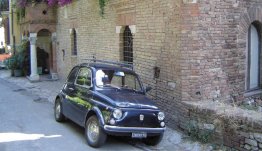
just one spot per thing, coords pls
(116, 130)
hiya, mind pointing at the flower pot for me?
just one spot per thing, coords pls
(17, 72)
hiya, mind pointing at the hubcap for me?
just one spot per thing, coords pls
(58, 110)
(93, 131)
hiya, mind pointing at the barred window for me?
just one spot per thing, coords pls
(128, 45)
(74, 42)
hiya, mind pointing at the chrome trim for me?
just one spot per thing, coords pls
(111, 128)
(141, 117)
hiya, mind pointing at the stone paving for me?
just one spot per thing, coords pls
(46, 90)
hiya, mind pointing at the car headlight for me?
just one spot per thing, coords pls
(161, 116)
(117, 114)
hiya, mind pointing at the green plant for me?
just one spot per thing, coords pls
(11, 62)
(102, 4)
(196, 133)
(21, 4)
(16, 61)
(249, 107)
(20, 13)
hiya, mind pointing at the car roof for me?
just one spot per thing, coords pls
(108, 66)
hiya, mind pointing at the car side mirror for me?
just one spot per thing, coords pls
(148, 88)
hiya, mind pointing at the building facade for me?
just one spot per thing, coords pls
(187, 50)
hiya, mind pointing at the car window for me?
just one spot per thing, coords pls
(128, 81)
(132, 82)
(118, 79)
(72, 76)
(84, 77)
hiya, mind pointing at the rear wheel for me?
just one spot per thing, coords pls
(95, 135)
(59, 117)
(153, 140)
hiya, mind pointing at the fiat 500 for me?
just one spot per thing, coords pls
(109, 99)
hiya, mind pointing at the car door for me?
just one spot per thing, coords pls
(82, 95)
(68, 91)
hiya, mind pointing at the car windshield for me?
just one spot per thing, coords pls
(117, 79)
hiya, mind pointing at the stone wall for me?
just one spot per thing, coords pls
(233, 127)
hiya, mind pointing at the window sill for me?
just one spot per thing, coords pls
(73, 56)
(252, 93)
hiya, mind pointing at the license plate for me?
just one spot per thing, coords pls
(139, 135)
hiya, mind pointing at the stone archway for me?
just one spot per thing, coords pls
(246, 19)
(44, 51)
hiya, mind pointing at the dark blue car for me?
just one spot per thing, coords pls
(109, 99)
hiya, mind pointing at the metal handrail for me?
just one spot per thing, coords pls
(118, 63)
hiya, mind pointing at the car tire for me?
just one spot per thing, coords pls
(59, 116)
(94, 134)
(153, 140)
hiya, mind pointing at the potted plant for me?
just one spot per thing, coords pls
(15, 63)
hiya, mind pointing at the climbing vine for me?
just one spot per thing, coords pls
(20, 13)
(102, 4)
(23, 3)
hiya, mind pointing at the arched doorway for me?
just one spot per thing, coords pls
(44, 51)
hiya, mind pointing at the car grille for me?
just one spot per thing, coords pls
(133, 120)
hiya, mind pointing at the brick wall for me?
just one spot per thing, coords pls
(213, 48)
(155, 42)
(200, 47)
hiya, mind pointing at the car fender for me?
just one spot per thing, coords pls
(59, 96)
(95, 110)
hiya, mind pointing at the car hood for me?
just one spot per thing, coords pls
(130, 99)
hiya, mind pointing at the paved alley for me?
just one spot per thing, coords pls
(27, 123)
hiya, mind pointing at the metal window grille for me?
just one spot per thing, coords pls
(74, 42)
(128, 45)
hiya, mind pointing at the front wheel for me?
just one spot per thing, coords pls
(59, 117)
(95, 135)
(153, 140)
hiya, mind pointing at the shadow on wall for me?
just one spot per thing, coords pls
(42, 61)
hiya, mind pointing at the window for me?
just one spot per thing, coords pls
(128, 45)
(253, 80)
(117, 79)
(126, 80)
(72, 76)
(74, 42)
(84, 77)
